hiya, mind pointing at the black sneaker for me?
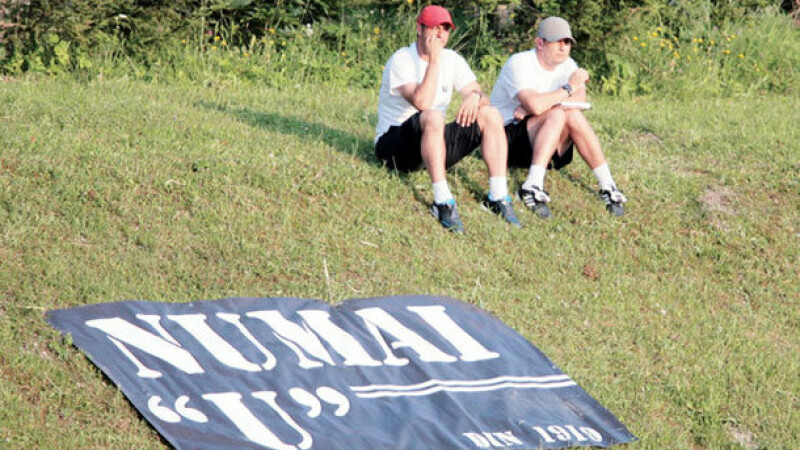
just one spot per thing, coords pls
(613, 199)
(447, 215)
(503, 208)
(536, 200)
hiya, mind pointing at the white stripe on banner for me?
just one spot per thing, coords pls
(491, 384)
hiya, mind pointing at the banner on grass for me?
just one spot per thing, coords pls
(404, 372)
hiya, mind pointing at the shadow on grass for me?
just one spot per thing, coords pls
(338, 139)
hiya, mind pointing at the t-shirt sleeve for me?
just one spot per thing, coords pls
(402, 70)
(462, 74)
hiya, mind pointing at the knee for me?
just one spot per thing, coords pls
(490, 116)
(431, 119)
(575, 120)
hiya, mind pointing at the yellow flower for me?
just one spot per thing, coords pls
(662, 44)
(272, 31)
(741, 55)
(688, 57)
(636, 38)
(216, 38)
(654, 34)
(658, 29)
(376, 30)
(224, 43)
(700, 40)
(344, 53)
(214, 47)
(713, 42)
(246, 54)
(183, 41)
(410, 2)
(676, 55)
(696, 49)
(643, 44)
(733, 36)
(726, 51)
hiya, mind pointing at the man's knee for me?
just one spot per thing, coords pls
(431, 119)
(489, 116)
(576, 121)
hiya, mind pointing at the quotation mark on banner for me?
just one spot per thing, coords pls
(170, 416)
(328, 395)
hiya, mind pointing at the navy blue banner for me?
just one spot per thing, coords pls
(406, 372)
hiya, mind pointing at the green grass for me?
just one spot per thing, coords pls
(682, 318)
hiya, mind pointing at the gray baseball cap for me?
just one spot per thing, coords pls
(554, 29)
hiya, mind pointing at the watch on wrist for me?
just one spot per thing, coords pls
(567, 88)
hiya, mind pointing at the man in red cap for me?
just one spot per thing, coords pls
(416, 89)
(540, 94)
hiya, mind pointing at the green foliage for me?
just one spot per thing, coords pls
(629, 47)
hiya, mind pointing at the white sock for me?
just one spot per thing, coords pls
(604, 179)
(498, 188)
(441, 192)
(535, 177)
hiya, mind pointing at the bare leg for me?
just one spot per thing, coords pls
(432, 146)
(585, 139)
(493, 142)
(546, 134)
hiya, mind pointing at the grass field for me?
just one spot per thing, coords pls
(682, 318)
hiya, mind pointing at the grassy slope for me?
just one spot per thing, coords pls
(682, 318)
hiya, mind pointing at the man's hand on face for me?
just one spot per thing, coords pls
(434, 46)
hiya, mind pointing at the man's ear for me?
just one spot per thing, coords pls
(539, 43)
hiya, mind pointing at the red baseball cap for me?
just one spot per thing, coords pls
(432, 16)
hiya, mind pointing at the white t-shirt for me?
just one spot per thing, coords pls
(405, 66)
(523, 71)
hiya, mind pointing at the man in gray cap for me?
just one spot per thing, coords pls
(541, 94)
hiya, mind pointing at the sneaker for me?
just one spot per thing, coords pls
(503, 208)
(447, 215)
(536, 200)
(613, 200)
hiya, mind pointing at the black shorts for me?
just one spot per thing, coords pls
(399, 147)
(520, 152)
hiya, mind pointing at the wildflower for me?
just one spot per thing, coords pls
(643, 44)
(700, 40)
(733, 36)
(272, 31)
(216, 38)
(713, 43)
(245, 54)
(676, 55)
(741, 55)
(410, 2)
(376, 30)
(654, 34)
(662, 45)
(183, 41)
(214, 47)
(726, 51)
(636, 38)
(344, 53)
(658, 29)
(688, 57)
(696, 49)
(223, 43)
